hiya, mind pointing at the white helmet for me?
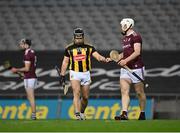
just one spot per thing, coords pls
(126, 24)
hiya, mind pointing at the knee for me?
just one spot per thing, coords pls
(124, 92)
(29, 96)
(76, 93)
(138, 94)
(141, 95)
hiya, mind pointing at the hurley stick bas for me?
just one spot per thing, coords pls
(114, 55)
(7, 66)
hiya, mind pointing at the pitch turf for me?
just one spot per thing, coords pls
(90, 125)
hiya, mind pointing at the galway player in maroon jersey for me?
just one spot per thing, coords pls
(30, 78)
(131, 57)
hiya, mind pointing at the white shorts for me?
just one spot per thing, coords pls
(83, 77)
(125, 74)
(30, 83)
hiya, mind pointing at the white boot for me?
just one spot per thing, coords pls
(83, 117)
(78, 116)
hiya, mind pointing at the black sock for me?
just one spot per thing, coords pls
(77, 113)
(124, 113)
(143, 113)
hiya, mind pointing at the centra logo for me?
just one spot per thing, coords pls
(22, 111)
(106, 112)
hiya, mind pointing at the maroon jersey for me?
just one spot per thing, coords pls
(128, 48)
(29, 56)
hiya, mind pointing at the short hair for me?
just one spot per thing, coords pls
(27, 41)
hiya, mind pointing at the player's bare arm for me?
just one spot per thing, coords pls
(26, 68)
(136, 53)
(99, 57)
(64, 65)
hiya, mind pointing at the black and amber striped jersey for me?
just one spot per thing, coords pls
(79, 56)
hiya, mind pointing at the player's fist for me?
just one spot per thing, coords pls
(108, 59)
(14, 70)
(122, 62)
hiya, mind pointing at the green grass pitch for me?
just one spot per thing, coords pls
(90, 126)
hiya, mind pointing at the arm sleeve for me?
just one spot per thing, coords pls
(137, 39)
(66, 53)
(27, 57)
(93, 50)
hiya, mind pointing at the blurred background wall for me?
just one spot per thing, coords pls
(50, 22)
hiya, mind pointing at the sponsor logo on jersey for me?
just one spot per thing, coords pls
(79, 57)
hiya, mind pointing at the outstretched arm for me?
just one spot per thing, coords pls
(99, 57)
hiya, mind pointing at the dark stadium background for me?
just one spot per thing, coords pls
(50, 23)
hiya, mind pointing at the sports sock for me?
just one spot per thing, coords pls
(77, 113)
(124, 113)
(33, 115)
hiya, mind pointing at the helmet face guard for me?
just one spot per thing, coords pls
(78, 32)
(126, 24)
(78, 36)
